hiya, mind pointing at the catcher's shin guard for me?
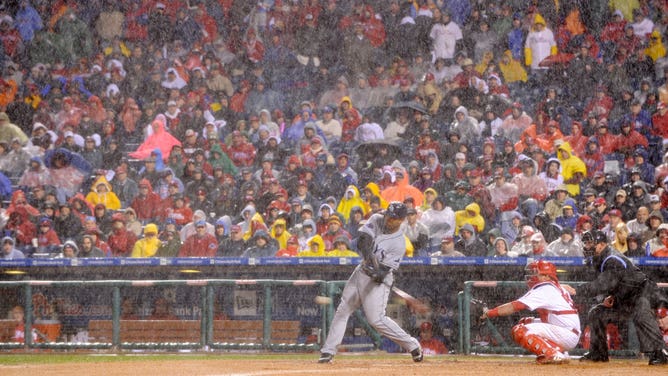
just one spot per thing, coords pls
(535, 344)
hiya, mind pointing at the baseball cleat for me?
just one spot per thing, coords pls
(557, 358)
(589, 357)
(417, 355)
(325, 358)
(659, 358)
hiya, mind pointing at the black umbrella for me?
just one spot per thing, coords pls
(410, 105)
(373, 150)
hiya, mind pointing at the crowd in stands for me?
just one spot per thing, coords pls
(141, 128)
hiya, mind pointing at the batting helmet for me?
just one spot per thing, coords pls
(396, 209)
(540, 267)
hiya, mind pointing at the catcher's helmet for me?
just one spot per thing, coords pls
(396, 209)
(540, 267)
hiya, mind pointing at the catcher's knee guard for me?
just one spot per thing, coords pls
(518, 332)
(535, 344)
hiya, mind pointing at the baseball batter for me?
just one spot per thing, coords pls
(382, 245)
(558, 328)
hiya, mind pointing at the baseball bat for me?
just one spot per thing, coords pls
(412, 302)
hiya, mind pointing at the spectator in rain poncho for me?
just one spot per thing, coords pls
(149, 244)
(159, 139)
(470, 215)
(173, 80)
(36, 175)
(68, 171)
(316, 247)
(514, 124)
(522, 246)
(401, 189)
(191, 228)
(101, 193)
(572, 169)
(531, 188)
(350, 200)
(368, 132)
(565, 246)
(440, 220)
(9, 131)
(251, 222)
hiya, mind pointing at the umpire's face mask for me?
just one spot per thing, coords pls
(588, 247)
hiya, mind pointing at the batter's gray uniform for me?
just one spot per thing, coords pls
(361, 290)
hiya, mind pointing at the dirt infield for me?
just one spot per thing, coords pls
(347, 364)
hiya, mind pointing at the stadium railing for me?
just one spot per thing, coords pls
(208, 332)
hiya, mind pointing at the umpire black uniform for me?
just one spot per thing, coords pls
(629, 294)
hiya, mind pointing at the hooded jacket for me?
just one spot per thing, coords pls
(463, 217)
(346, 204)
(146, 207)
(282, 239)
(160, 139)
(218, 158)
(467, 128)
(539, 44)
(147, 246)
(268, 250)
(571, 166)
(319, 244)
(494, 253)
(473, 247)
(530, 186)
(14, 254)
(402, 190)
(108, 198)
(441, 223)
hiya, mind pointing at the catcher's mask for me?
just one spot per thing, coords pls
(540, 267)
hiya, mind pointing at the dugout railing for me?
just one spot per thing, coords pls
(204, 293)
(496, 338)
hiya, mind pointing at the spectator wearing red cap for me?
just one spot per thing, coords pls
(600, 213)
(199, 244)
(47, 239)
(120, 240)
(147, 203)
(202, 201)
(430, 344)
(292, 248)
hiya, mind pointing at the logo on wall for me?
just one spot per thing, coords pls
(245, 303)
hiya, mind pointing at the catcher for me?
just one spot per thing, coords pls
(558, 328)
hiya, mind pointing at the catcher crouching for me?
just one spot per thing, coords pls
(557, 329)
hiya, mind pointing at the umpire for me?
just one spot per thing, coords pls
(628, 294)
